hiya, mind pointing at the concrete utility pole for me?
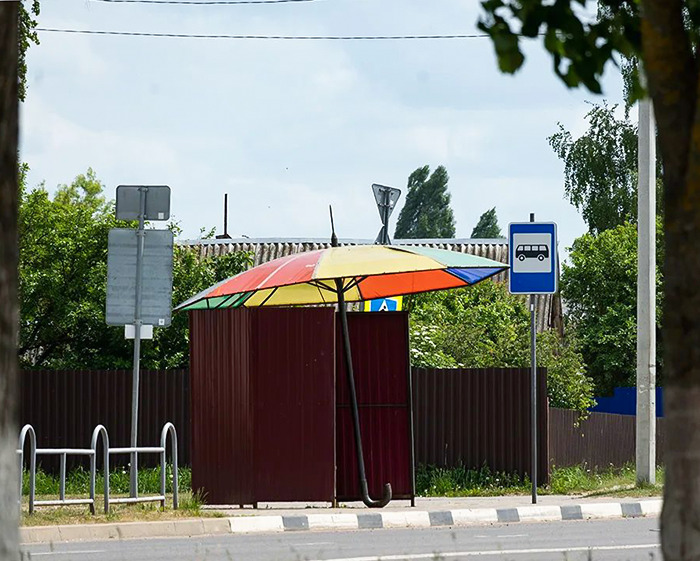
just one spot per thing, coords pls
(646, 296)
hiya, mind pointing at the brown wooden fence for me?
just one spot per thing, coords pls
(600, 441)
(64, 408)
(474, 417)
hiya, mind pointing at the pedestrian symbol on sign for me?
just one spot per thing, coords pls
(383, 304)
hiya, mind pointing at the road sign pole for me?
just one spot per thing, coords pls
(140, 239)
(533, 388)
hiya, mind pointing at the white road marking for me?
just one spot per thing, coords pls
(310, 544)
(67, 552)
(501, 536)
(446, 554)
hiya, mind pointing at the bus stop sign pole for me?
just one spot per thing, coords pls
(532, 256)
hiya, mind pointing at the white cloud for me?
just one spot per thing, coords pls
(288, 127)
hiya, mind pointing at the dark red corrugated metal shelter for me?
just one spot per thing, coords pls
(269, 409)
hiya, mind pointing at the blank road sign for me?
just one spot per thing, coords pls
(157, 277)
(532, 255)
(129, 202)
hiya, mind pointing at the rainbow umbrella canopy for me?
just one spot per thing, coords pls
(365, 272)
(347, 274)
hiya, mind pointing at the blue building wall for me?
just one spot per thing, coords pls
(624, 402)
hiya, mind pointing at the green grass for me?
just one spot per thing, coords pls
(434, 481)
(78, 486)
(78, 481)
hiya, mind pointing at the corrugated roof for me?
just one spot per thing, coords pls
(267, 249)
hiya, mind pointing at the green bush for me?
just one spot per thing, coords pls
(484, 326)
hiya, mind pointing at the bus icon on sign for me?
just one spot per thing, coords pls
(539, 252)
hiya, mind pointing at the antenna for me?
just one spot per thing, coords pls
(334, 238)
(225, 235)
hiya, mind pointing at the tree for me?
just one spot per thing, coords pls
(427, 212)
(487, 227)
(600, 290)
(63, 271)
(27, 36)
(63, 283)
(9, 129)
(663, 34)
(600, 168)
(485, 326)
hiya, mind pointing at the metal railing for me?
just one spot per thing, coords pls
(99, 431)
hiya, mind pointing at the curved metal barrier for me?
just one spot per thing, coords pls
(27, 430)
(99, 432)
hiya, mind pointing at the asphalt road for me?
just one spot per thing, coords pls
(619, 540)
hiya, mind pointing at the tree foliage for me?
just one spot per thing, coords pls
(427, 212)
(27, 36)
(599, 287)
(600, 168)
(485, 326)
(63, 270)
(487, 227)
(580, 46)
(63, 276)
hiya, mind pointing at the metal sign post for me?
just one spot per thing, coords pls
(140, 238)
(532, 254)
(138, 202)
(386, 198)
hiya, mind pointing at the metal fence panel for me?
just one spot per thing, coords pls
(380, 356)
(600, 441)
(65, 406)
(476, 417)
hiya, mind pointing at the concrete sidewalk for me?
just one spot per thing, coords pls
(428, 512)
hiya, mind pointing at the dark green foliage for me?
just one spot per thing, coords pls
(599, 287)
(484, 326)
(63, 283)
(27, 36)
(600, 168)
(487, 227)
(580, 47)
(63, 271)
(427, 212)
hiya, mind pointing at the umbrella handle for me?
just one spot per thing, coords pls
(364, 491)
(372, 503)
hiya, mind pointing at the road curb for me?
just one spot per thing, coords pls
(459, 517)
(334, 521)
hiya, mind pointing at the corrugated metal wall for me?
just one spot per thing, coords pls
(65, 406)
(292, 373)
(379, 344)
(221, 406)
(263, 403)
(479, 416)
(602, 440)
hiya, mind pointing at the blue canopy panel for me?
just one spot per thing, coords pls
(474, 275)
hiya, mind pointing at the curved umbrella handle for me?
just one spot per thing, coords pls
(372, 503)
(353, 407)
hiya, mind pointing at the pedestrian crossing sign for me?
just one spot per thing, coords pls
(383, 304)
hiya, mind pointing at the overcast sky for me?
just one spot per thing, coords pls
(288, 127)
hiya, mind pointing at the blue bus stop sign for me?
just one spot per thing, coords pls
(532, 255)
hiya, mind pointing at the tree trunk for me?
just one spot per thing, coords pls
(671, 69)
(9, 548)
